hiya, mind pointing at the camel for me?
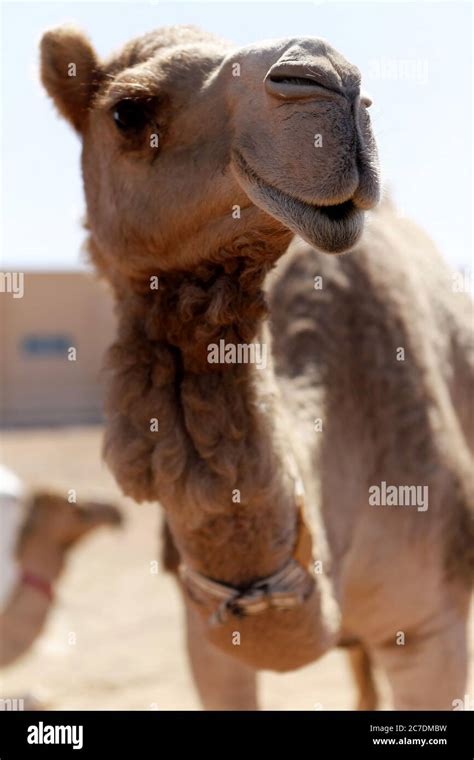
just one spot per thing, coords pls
(40, 530)
(219, 183)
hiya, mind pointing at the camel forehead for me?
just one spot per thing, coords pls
(166, 42)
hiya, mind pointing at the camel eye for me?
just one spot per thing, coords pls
(131, 115)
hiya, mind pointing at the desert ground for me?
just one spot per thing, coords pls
(115, 638)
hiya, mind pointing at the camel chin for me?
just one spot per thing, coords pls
(330, 228)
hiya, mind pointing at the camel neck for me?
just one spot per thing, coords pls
(194, 419)
(43, 558)
(218, 304)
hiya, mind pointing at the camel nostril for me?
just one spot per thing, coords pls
(298, 82)
(298, 88)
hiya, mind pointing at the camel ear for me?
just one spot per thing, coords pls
(70, 72)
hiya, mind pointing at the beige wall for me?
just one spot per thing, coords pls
(39, 385)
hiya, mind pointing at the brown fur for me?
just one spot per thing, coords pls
(229, 141)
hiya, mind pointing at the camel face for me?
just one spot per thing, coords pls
(190, 145)
(57, 521)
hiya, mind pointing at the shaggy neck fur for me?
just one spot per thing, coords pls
(203, 438)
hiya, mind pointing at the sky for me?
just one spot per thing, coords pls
(416, 63)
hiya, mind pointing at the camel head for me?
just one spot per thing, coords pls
(54, 521)
(192, 147)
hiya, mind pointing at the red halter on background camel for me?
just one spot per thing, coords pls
(200, 162)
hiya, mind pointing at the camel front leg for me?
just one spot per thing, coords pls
(222, 682)
(361, 666)
(428, 672)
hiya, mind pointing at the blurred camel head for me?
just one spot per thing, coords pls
(32, 556)
(193, 148)
(54, 521)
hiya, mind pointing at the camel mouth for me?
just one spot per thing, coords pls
(301, 81)
(339, 212)
(333, 228)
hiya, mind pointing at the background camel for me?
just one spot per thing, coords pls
(372, 360)
(40, 531)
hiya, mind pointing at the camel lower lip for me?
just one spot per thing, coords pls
(333, 229)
